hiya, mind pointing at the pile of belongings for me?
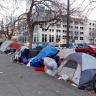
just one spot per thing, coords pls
(78, 68)
(52, 63)
(48, 51)
(23, 55)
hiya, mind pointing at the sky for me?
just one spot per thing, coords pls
(92, 13)
(82, 5)
(22, 7)
(12, 8)
(92, 16)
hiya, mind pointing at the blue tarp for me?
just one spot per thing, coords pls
(45, 52)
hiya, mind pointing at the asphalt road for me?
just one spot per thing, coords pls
(19, 80)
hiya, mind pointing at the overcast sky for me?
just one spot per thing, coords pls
(82, 4)
(22, 7)
(12, 8)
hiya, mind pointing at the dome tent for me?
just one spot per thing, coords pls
(79, 67)
(8, 44)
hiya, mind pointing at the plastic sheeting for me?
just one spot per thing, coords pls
(45, 52)
(50, 66)
(19, 52)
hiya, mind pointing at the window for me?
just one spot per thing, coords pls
(58, 25)
(76, 22)
(89, 23)
(76, 38)
(44, 37)
(81, 32)
(58, 30)
(81, 23)
(76, 27)
(64, 31)
(57, 38)
(64, 26)
(64, 37)
(90, 29)
(71, 21)
(76, 32)
(51, 38)
(71, 26)
(52, 30)
(45, 29)
(71, 64)
(34, 39)
(82, 28)
(81, 38)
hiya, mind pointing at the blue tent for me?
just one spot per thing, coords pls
(45, 52)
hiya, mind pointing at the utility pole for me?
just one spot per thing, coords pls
(68, 21)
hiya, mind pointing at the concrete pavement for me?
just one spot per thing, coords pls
(19, 80)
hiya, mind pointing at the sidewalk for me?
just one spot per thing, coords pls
(19, 80)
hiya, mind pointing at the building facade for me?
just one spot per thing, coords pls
(80, 31)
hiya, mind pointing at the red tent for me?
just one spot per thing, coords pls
(14, 45)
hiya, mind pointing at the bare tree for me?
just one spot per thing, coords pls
(42, 12)
(9, 14)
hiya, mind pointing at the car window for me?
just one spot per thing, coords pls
(82, 46)
(92, 46)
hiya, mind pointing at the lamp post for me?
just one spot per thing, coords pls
(68, 21)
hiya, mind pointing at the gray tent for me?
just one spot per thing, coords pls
(5, 45)
(79, 67)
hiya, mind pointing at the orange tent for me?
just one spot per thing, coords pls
(14, 45)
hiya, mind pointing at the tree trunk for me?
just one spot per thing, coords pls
(30, 41)
(30, 29)
(9, 36)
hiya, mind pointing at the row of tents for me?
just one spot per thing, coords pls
(79, 68)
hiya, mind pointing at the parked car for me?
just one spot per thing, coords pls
(90, 49)
(71, 45)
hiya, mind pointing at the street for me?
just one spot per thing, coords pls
(19, 80)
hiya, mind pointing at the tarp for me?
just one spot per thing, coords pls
(45, 52)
